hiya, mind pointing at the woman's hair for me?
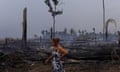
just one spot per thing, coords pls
(55, 40)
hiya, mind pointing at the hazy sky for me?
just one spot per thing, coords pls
(77, 14)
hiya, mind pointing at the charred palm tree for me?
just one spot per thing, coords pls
(24, 33)
(52, 4)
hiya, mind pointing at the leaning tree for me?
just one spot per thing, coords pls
(52, 4)
(112, 21)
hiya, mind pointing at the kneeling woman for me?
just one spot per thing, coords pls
(58, 53)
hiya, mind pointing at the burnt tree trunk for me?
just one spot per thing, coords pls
(119, 38)
(24, 33)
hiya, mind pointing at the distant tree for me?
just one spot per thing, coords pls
(94, 29)
(79, 32)
(43, 32)
(94, 33)
(83, 32)
(52, 4)
(65, 30)
(72, 31)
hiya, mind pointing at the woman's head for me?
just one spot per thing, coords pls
(55, 41)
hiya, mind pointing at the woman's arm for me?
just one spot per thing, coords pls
(63, 52)
(48, 59)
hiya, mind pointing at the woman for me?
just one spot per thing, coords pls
(58, 53)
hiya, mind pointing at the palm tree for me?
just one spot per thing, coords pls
(65, 30)
(43, 32)
(79, 32)
(53, 10)
(83, 32)
(71, 31)
(94, 30)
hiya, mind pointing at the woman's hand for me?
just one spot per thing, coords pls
(46, 61)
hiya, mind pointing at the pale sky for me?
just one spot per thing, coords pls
(77, 14)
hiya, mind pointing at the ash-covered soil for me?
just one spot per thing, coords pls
(83, 66)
